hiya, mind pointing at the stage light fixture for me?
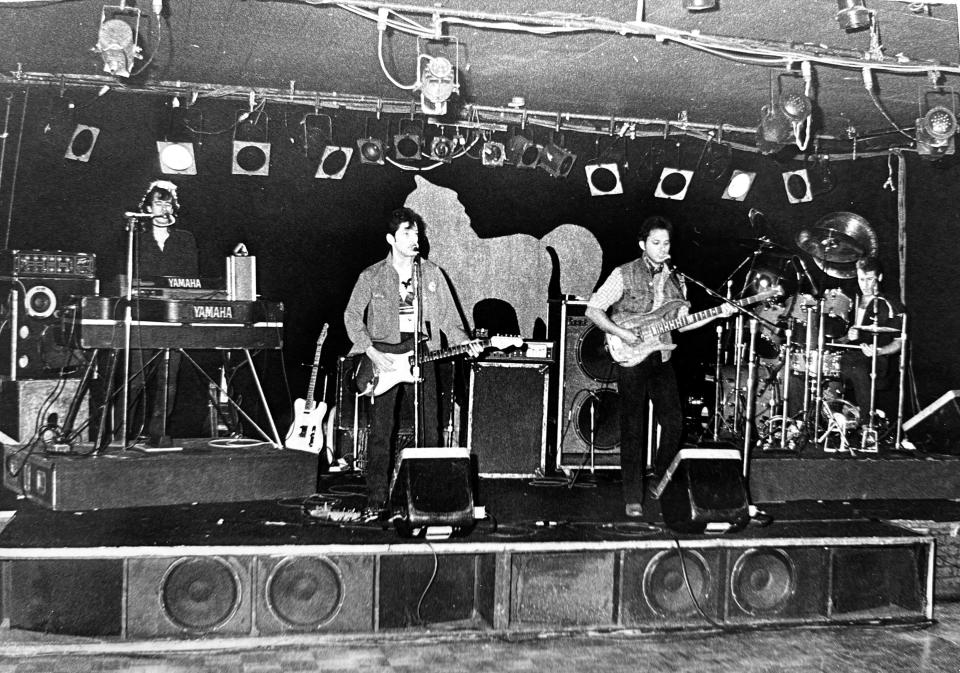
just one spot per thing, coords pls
(493, 153)
(176, 158)
(673, 184)
(739, 185)
(699, 5)
(442, 148)
(604, 179)
(334, 162)
(408, 142)
(781, 120)
(936, 131)
(853, 15)
(82, 142)
(797, 186)
(251, 157)
(371, 150)
(117, 39)
(523, 152)
(556, 160)
(438, 82)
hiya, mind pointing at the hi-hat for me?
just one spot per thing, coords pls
(840, 238)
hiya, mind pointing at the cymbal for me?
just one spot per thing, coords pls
(840, 237)
(879, 329)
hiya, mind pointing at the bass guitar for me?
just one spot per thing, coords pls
(306, 431)
(652, 327)
(368, 380)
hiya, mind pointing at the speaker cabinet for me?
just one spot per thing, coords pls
(30, 328)
(315, 594)
(423, 590)
(670, 588)
(562, 589)
(189, 596)
(27, 406)
(702, 487)
(777, 584)
(937, 426)
(507, 428)
(433, 489)
(588, 415)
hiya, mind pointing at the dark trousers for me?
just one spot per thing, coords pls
(655, 380)
(149, 411)
(386, 414)
(855, 372)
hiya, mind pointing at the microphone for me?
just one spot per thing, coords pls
(806, 272)
(143, 215)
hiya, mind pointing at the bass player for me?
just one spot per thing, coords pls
(634, 290)
(381, 311)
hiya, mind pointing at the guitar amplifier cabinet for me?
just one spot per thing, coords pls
(507, 427)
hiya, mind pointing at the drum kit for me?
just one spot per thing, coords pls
(784, 389)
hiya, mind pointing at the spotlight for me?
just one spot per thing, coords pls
(523, 152)
(117, 40)
(371, 150)
(441, 149)
(555, 160)
(251, 157)
(673, 184)
(739, 185)
(699, 5)
(82, 143)
(334, 162)
(493, 153)
(176, 158)
(604, 179)
(407, 143)
(852, 15)
(797, 186)
(438, 81)
(935, 132)
(779, 121)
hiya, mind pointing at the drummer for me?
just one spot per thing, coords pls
(874, 316)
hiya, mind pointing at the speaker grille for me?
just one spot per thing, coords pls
(592, 356)
(305, 592)
(200, 594)
(672, 580)
(598, 419)
(763, 581)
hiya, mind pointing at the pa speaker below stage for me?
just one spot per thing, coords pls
(701, 487)
(433, 488)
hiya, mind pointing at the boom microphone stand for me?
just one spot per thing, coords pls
(417, 380)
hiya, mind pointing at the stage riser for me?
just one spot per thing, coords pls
(631, 588)
(132, 479)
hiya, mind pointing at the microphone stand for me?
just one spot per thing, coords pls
(417, 381)
(132, 228)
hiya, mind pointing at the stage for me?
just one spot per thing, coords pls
(549, 556)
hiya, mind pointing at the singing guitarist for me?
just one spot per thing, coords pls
(381, 311)
(639, 288)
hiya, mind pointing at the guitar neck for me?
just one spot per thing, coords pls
(670, 325)
(443, 353)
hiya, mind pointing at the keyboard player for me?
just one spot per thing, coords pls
(162, 250)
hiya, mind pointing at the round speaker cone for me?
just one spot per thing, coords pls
(603, 180)
(598, 419)
(305, 592)
(763, 581)
(251, 158)
(200, 594)
(593, 358)
(665, 583)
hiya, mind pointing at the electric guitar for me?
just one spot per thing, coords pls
(368, 380)
(652, 327)
(306, 431)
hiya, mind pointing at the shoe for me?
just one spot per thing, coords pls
(634, 509)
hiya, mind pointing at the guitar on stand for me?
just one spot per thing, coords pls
(306, 431)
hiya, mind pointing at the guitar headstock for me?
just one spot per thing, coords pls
(323, 335)
(501, 342)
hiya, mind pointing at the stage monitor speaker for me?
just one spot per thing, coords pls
(507, 428)
(937, 426)
(433, 488)
(588, 417)
(30, 327)
(704, 487)
(37, 408)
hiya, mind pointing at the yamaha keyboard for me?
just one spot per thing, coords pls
(98, 322)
